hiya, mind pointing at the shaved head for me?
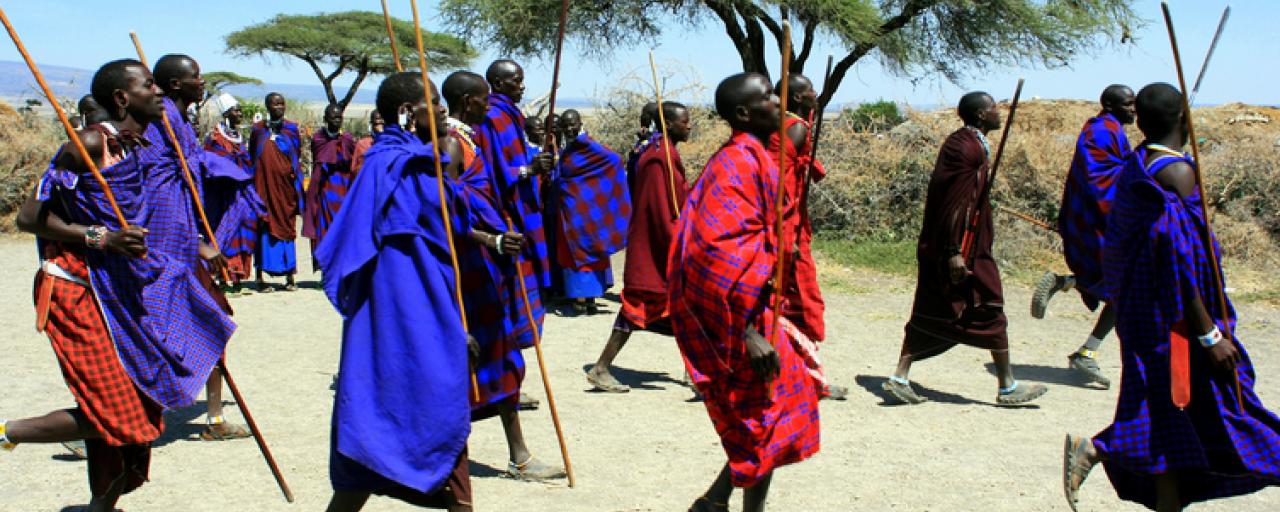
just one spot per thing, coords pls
(174, 66)
(502, 69)
(1159, 108)
(398, 89)
(747, 102)
(460, 84)
(737, 90)
(796, 84)
(1115, 93)
(1119, 100)
(971, 106)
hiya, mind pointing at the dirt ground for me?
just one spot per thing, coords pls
(650, 450)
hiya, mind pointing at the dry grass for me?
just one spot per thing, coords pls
(27, 142)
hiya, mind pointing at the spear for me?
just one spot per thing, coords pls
(391, 34)
(1207, 235)
(968, 244)
(1217, 34)
(666, 139)
(66, 123)
(780, 198)
(548, 137)
(813, 149)
(1025, 217)
(182, 161)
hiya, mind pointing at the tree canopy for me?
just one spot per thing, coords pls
(911, 38)
(215, 81)
(352, 41)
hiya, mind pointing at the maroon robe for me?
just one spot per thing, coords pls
(971, 312)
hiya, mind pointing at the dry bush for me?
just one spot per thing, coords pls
(27, 143)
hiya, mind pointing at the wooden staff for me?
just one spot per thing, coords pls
(548, 137)
(66, 123)
(817, 136)
(391, 34)
(968, 243)
(666, 139)
(182, 161)
(257, 434)
(779, 201)
(1034, 221)
(1207, 235)
(445, 214)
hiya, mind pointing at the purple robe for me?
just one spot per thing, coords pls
(1154, 254)
(401, 414)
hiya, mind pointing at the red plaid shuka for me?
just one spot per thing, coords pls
(721, 258)
(805, 306)
(87, 355)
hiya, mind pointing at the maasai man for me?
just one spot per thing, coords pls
(331, 174)
(959, 301)
(644, 137)
(400, 412)
(1101, 151)
(231, 202)
(1180, 435)
(172, 220)
(488, 276)
(135, 335)
(763, 402)
(649, 234)
(376, 125)
(594, 208)
(805, 306)
(90, 113)
(502, 146)
(274, 146)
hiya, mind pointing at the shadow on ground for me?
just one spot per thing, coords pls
(873, 383)
(1062, 376)
(635, 379)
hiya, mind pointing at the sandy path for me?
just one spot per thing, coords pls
(650, 450)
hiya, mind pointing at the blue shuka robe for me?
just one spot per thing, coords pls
(401, 412)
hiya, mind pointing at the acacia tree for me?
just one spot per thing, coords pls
(215, 81)
(352, 41)
(909, 37)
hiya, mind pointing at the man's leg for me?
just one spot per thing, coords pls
(216, 427)
(1167, 497)
(347, 501)
(599, 375)
(1084, 359)
(55, 427)
(753, 497)
(1011, 392)
(522, 465)
(716, 499)
(898, 385)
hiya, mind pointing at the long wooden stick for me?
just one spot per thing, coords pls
(391, 34)
(182, 161)
(257, 434)
(1028, 218)
(813, 147)
(666, 137)
(968, 243)
(66, 123)
(542, 369)
(1204, 206)
(548, 137)
(780, 199)
(445, 212)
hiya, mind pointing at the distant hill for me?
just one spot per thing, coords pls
(16, 86)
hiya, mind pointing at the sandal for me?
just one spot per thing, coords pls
(606, 382)
(265, 288)
(704, 504)
(1085, 364)
(528, 403)
(223, 432)
(533, 470)
(1020, 395)
(1049, 284)
(1075, 467)
(833, 392)
(291, 287)
(903, 392)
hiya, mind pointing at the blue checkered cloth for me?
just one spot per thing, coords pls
(594, 205)
(1101, 151)
(1154, 249)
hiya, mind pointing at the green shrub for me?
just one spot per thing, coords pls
(876, 116)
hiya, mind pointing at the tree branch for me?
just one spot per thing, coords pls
(733, 30)
(755, 40)
(326, 81)
(810, 33)
(361, 73)
(909, 12)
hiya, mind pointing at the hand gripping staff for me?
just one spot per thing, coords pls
(968, 242)
(186, 169)
(66, 123)
(666, 139)
(1179, 354)
(444, 205)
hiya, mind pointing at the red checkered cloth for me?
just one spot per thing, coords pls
(723, 254)
(805, 306)
(87, 355)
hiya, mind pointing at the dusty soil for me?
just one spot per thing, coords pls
(650, 450)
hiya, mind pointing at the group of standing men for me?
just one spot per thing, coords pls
(435, 246)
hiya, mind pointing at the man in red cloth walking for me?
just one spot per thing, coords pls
(739, 351)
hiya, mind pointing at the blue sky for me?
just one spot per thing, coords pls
(85, 34)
